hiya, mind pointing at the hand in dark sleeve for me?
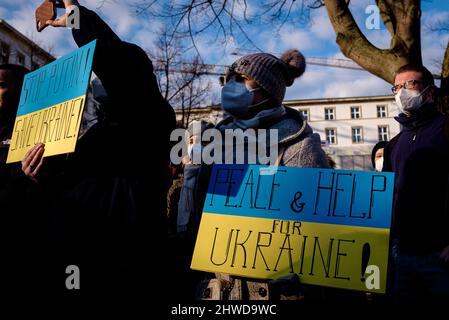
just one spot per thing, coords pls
(93, 27)
(126, 73)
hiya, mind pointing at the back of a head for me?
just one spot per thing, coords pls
(141, 78)
(139, 57)
(18, 71)
(9, 99)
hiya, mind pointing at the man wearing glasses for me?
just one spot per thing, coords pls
(419, 156)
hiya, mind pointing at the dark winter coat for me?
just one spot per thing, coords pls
(107, 199)
(419, 157)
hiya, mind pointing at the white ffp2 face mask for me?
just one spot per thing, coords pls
(379, 164)
(194, 151)
(410, 100)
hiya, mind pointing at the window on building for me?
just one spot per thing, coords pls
(381, 111)
(20, 59)
(329, 113)
(331, 135)
(383, 133)
(4, 53)
(357, 135)
(355, 113)
(305, 114)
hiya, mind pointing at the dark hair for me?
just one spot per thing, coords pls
(331, 161)
(427, 77)
(379, 145)
(18, 71)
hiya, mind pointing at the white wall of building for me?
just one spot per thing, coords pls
(345, 152)
(343, 122)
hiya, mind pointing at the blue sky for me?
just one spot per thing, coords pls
(314, 39)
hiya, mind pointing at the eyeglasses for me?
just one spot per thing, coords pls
(409, 84)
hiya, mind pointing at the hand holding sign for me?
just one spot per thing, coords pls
(329, 227)
(51, 106)
(33, 161)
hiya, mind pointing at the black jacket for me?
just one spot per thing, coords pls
(419, 157)
(106, 199)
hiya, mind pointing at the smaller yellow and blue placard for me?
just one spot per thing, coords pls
(330, 227)
(51, 105)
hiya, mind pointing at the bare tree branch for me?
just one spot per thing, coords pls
(180, 82)
(190, 18)
(402, 18)
(444, 86)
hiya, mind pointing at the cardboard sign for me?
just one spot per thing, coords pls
(51, 105)
(331, 227)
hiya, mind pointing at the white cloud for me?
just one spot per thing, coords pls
(379, 38)
(366, 85)
(326, 82)
(321, 26)
(119, 17)
(433, 43)
(294, 38)
(3, 12)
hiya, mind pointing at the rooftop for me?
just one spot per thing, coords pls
(27, 40)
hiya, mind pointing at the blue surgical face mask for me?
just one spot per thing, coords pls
(236, 98)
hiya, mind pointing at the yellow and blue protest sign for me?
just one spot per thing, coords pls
(330, 227)
(51, 105)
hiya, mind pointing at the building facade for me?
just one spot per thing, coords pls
(16, 48)
(349, 127)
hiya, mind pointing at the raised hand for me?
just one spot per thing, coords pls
(62, 20)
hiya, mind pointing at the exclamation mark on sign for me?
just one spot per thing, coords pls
(366, 251)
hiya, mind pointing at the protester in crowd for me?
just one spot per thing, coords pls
(419, 157)
(182, 233)
(11, 80)
(377, 155)
(107, 199)
(332, 163)
(252, 96)
(188, 209)
(20, 228)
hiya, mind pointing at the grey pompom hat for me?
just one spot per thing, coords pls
(271, 73)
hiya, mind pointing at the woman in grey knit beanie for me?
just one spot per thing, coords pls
(269, 72)
(254, 89)
(252, 96)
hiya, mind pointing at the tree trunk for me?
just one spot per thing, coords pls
(444, 87)
(402, 19)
